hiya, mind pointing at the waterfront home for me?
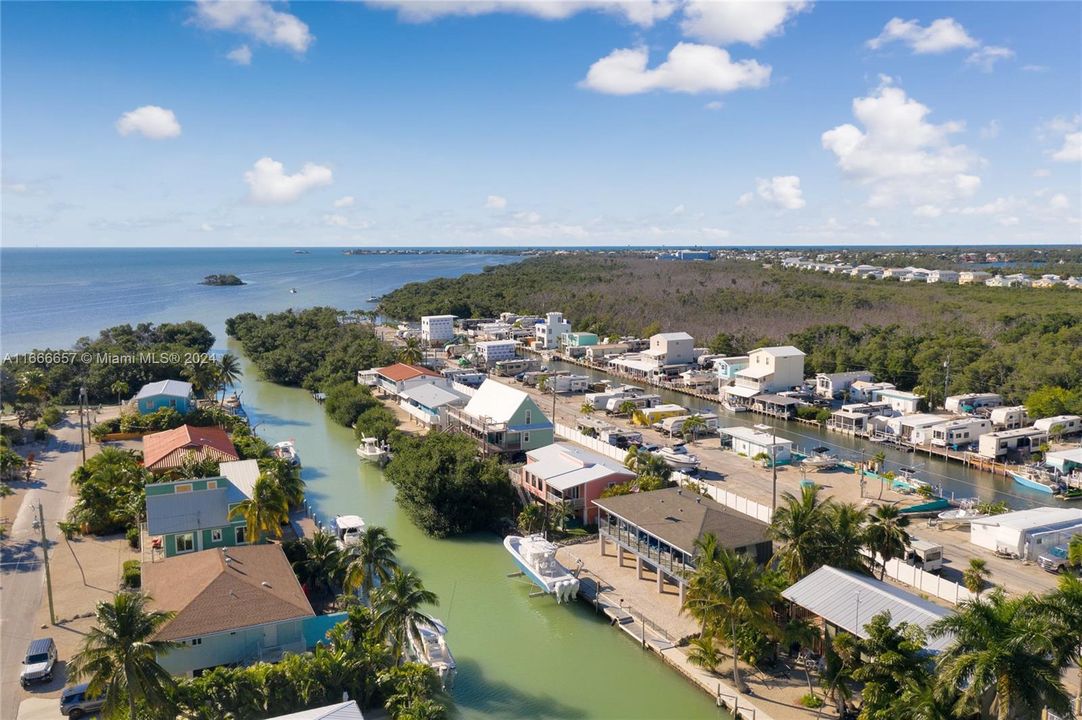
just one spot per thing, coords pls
(780, 406)
(504, 419)
(953, 433)
(971, 401)
(562, 473)
(1062, 425)
(903, 427)
(772, 369)
(672, 349)
(567, 383)
(847, 601)
(832, 385)
(579, 339)
(191, 515)
(165, 394)
(437, 328)
(547, 334)
(601, 353)
(339, 711)
(516, 366)
(492, 351)
(659, 529)
(698, 378)
(1019, 442)
(945, 276)
(902, 402)
(1008, 418)
(233, 606)
(752, 443)
(169, 449)
(971, 277)
(429, 402)
(860, 391)
(1064, 462)
(395, 378)
(726, 368)
(1026, 533)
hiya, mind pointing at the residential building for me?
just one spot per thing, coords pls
(945, 276)
(429, 402)
(1015, 280)
(498, 330)
(861, 390)
(547, 334)
(1008, 418)
(854, 417)
(971, 277)
(832, 385)
(1062, 425)
(1047, 281)
(1064, 461)
(233, 606)
(1026, 533)
(490, 352)
(567, 383)
(601, 353)
(727, 367)
(191, 515)
(672, 349)
(901, 402)
(781, 406)
(1019, 442)
(659, 530)
(753, 443)
(165, 394)
(902, 427)
(167, 450)
(393, 379)
(971, 401)
(954, 433)
(772, 369)
(505, 420)
(437, 329)
(847, 601)
(564, 473)
(579, 339)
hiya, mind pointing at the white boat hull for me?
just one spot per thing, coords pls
(558, 581)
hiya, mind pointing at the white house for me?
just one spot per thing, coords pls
(772, 369)
(947, 276)
(971, 401)
(547, 333)
(1027, 533)
(1008, 417)
(900, 401)
(962, 431)
(905, 426)
(861, 390)
(831, 385)
(1067, 424)
(970, 277)
(437, 328)
(1020, 440)
(751, 442)
(492, 351)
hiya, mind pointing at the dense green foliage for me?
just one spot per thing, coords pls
(309, 348)
(346, 400)
(109, 492)
(222, 279)
(445, 487)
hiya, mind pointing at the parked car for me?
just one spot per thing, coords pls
(38, 662)
(1055, 560)
(75, 703)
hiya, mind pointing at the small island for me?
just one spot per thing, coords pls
(220, 280)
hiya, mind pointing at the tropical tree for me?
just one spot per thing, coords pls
(228, 371)
(885, 534)
(322, 565)
(1074, 552)
(692, 427)
(627, 407)
(119, 657)
(1064, 606)
(726, 593)
(286, 476)
(265, 512)
(841, 654)
(845, 537)
(120, 389)
(895, 661)
(411, 352)
(203, 376)
(974, 576)
(10, 463)
(703, 652)
(801, 527)
(531, 518)
(373, 562)
(1004, 649)
(877, 460)
(586, 408)
(397, 603)
(34, 384)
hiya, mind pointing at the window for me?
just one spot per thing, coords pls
(197, 641)
(529, 417)
(186, 487)
(525, 438)
(185, 543)
(212, 484)
(172, 402)
(241, 534)
(216, 535)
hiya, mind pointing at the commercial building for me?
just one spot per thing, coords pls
(437, 328)
(1026, 533)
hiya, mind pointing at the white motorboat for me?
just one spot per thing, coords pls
(964, 514)
(678, 458)
(820, 458)
(733, 407)
(286, 450)
(370, 450)
(347, 531)
(431, 649)
(537, 558)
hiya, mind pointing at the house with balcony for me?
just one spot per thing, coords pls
(165, 394)
(393, 379)
(437, 329)
(562, 473)
(168, 450)
(428, 403)
(191, 515)
(902, 402)
(547, 334)
(772, 369)
(832, 385)
(503, 419)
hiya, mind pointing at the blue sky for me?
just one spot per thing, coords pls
(510, 123)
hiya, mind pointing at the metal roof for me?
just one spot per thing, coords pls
(188, 511)
(171, 388)
(563, 466)
(754, 436)
(241, 474)
(340, 711)
(850, 601)
(781, 351)
(432, 396)
(496, 401)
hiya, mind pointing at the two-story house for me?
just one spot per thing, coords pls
(164, 451)
(566, 473)
(772, 369)
(190, 515)
(505, 419)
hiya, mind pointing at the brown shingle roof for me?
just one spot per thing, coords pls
(210, 594)
(681, 518)
(167, 449)
(400, 372)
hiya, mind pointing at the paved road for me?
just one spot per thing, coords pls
(22, 573)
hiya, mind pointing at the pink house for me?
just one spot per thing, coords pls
(565, 472)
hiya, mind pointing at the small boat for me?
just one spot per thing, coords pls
(347, 530)
(286, 450)
(232, 402)
(430, 648)
(965, 513)
(537, 558)
(678, 458)
(1035, 479)
(370, 450)
(820, 458)
(373, 298)
(292, 291)
(733, 407)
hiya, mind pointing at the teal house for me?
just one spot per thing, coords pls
(580, 339)
(165, 394)
(506, 420)
(192, 515)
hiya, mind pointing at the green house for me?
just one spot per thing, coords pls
(192, 515)
(580, 339)
(505, 419)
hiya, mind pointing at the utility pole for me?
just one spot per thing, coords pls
(82, 407)
(45, 553)
(774, 465)
(946, 378)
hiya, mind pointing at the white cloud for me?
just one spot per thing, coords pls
(745, 199)
(495, 202)
(1071, 150)
(1041, 173)
(943, 35)
(241, 55)
(643, 13)
(1059, 201)
(996, 207)
(783, 191)
(150, 121)
(724, 22)
(258, 20)
(341, 221)
(530, 217)
(679, 209)
(927, 211)
(269, 183)
(1035, 68)
(344, 202)
(690, 68)
(899, 155)
(206, 227)
(986, 57)
(714, 105)
(990, 131)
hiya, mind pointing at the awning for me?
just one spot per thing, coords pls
(740, 391)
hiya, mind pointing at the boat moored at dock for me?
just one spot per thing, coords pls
(371, 450)
(286, 450)
(537, 558)
(347, 530)
(429, 647)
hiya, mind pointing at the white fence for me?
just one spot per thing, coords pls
(601, 448)
(464, 389)
(928, 583)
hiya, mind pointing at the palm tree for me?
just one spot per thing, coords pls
(411, 353)
(841, 653)
(121, 389)
(586, 408)
(265, 512)
(286, 476)
(373, 563)
(801, 527)
(974, 576)
(692, 427)
(531, 518)
(703, 652)
(203, 376)
(119, 657)
(886, 534)
(627, 407)
(726, 592)
(1074, 551)
(397, 603)
(33, 383)
(322, 565)
(845, 537)
(1003, 648)
(877, 461)
(1064, 606)
(228, 371)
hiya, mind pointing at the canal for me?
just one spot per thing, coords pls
(517, 656)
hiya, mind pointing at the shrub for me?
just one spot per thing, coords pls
(133, 537)
(377, 421)
(51, 415)
(131, 576)
(41, 430)
(346, 401)
(99, 431)
(68, 529)
(811, 701)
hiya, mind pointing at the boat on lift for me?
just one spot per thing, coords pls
(287, 451)
(371, 450)
(347, 531)
(536, 556)
(678, 458)
(430, 648)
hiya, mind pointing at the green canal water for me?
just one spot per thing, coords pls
(518, 657)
